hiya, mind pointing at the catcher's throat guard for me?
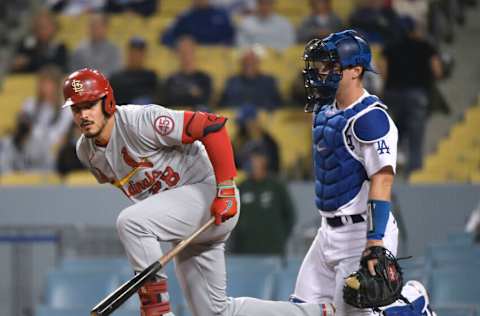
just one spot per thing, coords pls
(363, 290)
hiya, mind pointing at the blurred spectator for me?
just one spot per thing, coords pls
(207, 24)
(41, 126)
(250, 135)
(97, 52)
(75, 7)
(189, 86)
(251, 86)
(416, 9)
(40, 49)
(321, 22)
(266, 28)
(67, 160)
(376, 21)
(144, 8)
(235, 7)
(268, 214)
(412, 66)
(473, 224)
(14, 147)
(135, 84)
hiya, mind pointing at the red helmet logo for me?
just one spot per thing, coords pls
(87, 85)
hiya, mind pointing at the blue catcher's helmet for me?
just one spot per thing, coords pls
(334, 53)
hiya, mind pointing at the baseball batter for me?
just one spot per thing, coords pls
(178, 168)
(355, 150)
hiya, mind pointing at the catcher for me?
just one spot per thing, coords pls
(355, 151)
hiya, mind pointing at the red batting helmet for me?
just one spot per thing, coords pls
(86, 85)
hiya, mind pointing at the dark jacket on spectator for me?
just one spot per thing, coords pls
(208, 26)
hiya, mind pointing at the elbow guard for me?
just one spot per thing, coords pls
(197, 125)
(210, 130)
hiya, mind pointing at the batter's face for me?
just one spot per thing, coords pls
(89, 118)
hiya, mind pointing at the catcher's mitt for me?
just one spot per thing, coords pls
(363, 290)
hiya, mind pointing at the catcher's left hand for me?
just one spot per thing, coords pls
(364, 290)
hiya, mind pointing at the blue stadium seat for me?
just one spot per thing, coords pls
(91, 264)
(79, 289)
(416, 269)
(42, 310)
(251, 276)
(455, 284)
(285, 279)
(446, 254)
(460, 238)
(456, 310)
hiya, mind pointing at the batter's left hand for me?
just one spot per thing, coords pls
(225, 204)
(372, 262)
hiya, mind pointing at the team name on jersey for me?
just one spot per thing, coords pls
(153, 180)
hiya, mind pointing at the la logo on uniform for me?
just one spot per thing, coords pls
(77, 86)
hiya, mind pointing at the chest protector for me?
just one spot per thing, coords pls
(338, 175)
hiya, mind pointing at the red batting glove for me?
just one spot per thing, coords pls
(225, 204)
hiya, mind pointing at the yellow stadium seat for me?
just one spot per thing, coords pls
(291, 128)
(80, 178)
(424, 177)
(231, 125)
(29, 179)
(15, 90)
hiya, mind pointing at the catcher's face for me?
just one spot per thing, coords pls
(89, 117)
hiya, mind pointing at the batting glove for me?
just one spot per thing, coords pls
(225, 204)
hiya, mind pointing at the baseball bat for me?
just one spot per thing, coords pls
(109, 304)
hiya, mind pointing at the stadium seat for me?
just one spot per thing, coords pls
(79, 289)
(115, 265)
(460, 238)
(455, 310)
(42, 310)
(80, 178)
(285, 278)
(251, 276)
(29, 179)
(445, 254)
(455, 284)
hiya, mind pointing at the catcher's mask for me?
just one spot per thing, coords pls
(325, 60)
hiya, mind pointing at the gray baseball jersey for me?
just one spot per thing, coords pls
(173, 186)
(145, 153)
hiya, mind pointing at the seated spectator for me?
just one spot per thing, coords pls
(376, 21)
(75, 7)
(189, 86)
(67, 159)
(321, 22)
(41, 126)
(97, 52)
(411, 67)
(268, 214)
(135, 84)
(144, 8)
(208, 25)
(265, 27)
(251, 86)
(252, 134)
(235, 7)
(40, 49)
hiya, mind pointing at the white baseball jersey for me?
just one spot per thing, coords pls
(373, 156)
(145, 153)
(336, 251)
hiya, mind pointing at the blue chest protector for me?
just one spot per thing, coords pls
(338, 175)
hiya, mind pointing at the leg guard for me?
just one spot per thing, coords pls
(154, 298)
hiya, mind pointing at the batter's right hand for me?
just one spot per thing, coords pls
(225, 204)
